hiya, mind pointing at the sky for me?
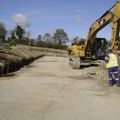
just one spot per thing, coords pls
(45, 16)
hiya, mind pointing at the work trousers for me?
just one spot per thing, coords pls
(113, 76)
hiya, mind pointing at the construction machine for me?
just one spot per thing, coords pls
(95, 48)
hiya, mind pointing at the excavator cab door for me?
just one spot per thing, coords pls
(99, 48)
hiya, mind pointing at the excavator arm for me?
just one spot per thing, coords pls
(111, 16)
(95, 48)
(115, 27)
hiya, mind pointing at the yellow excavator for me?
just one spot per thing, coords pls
(95, 48)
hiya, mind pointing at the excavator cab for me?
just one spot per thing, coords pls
(98, 48)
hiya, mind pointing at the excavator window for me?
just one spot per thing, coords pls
(99, 49)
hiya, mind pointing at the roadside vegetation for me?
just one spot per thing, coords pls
(19, 35)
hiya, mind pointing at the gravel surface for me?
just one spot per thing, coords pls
(48, 89)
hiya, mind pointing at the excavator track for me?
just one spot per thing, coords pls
(74, 63)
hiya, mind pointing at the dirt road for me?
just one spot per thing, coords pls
(49, 89)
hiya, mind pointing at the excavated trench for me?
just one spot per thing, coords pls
(16, 57)
(13, 66)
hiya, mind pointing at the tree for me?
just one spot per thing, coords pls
(12, 39)
(39, 37)
(12, 34)
(31, 42)
(3, 32)
(16, 38)
(60, 37)
(19, 32)
(82, 41)
(76, 40)
(47, 37)
(28, 34)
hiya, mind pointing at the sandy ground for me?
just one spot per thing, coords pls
(49, 89)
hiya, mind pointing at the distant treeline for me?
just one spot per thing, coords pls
(58, 40)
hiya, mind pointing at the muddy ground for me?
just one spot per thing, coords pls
(48, 89)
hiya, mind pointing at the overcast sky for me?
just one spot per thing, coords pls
(41, 16)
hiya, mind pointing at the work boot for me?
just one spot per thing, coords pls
(118, 83)
(110, 83)
(113, 82)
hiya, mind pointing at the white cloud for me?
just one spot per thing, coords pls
(21, 19)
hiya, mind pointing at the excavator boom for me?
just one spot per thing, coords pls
(111, 16)
(94, 46)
